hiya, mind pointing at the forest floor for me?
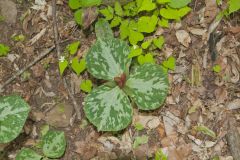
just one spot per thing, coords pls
(198, 95)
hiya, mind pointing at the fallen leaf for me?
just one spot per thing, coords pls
(183, 37)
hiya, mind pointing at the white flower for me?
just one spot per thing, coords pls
(62, 59)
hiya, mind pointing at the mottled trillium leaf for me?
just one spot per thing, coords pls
(147, 24)
(28, 154)
(103, 29)
(147, 5)
(54, 144)
(13, 114)
(109, 109)
(108, 58)
(148, 86)
(178, 3)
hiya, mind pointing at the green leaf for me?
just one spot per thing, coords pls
(118, 9)
(217, 68)
(140, 140)
(109, 109)
(163, 1)
(44, 129)
(170, 13)
(163, 23)
(124, 30)
(108, 58)
(116, 21)
(170, 63)
(74, 4)
(159, 42)
(13, 114)
(159, 155)
(149, 86)
(107, 12)
(103, 29)
(138, 126)
(184, 11)
(234, 5)
(148, 58)
(147, 5)
(205, 130)
(18, 38)
(146, 44)
(130, 9)
(135, 51)
(90, 3)
(54, 144)
(4, 50)
(62, 64)
(78, 16)
(147, 24)
(28, 154)
(86, 86)
(135, 37)
(77, 66)
(178, 3)
(73, 47)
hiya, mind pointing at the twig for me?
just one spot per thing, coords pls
(56, 38)
(40, 57)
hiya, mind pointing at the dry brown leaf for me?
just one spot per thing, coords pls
(183, 37)
(210, 10)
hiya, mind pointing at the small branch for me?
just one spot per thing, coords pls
(40, 57)
(56, 39)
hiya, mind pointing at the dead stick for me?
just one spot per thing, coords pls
(56, 38)
(40, 57)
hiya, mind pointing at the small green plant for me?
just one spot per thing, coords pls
(71, 61)
(13, 114)
(140, 140)
(53, 145)
(233, 6)
(108, 106)
(4, 50)
(217, 68)
(159, 155)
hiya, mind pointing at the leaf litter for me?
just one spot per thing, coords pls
(191, 101)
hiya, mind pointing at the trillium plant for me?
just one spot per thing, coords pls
(108, 106)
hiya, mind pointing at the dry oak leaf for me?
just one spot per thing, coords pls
(183, 37)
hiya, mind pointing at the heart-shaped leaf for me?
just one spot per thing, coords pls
(62, 64)
(103, 29)
(159, 42)
(89, 3)
(135, 51)
(146, 44)
(178, 3)
(74, 4)
(108, 58)
(78, 67)
(118, 9)
(169, 13)
(73, 47)
(147, 24)
(184, 11)
(148, 86)
(86, 86)
(163, 1)
(169, 63)
(4, 50)
(28, 154)
(78, 16)
(54, 144)
(234, 5)
(147, 5)
(163, 23)
(107, 13)
(109, 109)
(135, 37)
(13, 114)
(148, 58)
(116, 21)
(124, 29)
